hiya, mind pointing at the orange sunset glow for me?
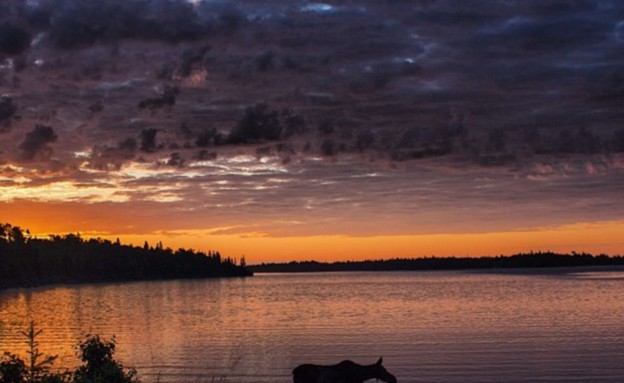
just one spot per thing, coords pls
(257, 247)
(415, 147)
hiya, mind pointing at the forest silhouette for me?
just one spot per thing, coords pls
(517, 261)
(26, 261)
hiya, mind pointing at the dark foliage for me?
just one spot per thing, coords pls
(97, 355)
(99, 365)
(27, 261)
(12, 369)
(532, 260)
(13, 40)
(36, 368)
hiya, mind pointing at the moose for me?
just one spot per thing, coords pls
(343, 372)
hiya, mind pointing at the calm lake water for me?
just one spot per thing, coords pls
(428, 326)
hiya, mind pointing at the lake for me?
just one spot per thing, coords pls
(428, 326)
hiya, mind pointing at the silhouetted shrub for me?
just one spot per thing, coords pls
(12, 369)
(99, 366)
(97, 355)
(37, 370)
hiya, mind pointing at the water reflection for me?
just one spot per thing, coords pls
(434, 327)
(619, 275)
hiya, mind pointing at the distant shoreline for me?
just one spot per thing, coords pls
(545, 262)
(556, 270)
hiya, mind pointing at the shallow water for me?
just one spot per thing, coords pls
(429, 326)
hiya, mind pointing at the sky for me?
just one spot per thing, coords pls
(297, 130)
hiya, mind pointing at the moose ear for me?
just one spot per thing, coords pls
(380, 361)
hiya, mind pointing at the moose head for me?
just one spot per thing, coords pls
(380, 372)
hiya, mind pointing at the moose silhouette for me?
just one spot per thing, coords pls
(343, 372)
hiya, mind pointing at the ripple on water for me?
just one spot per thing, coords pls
(433, 327)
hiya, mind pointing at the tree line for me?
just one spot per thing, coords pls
(28, 261)
(523, 260)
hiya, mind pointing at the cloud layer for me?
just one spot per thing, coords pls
(305, 118)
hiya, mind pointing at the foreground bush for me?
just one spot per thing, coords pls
(99, 365)
(97, 355)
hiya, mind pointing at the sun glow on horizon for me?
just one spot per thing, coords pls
(257, 247)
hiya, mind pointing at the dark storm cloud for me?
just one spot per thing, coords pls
(7, 112)
(113, 157)
(148, 140)
(36, 142)
(379, 70)
(166, 98)
(73, 24)
(515, 65)
(436, 111)
(13, 40)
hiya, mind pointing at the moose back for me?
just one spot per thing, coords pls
(343, 372)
